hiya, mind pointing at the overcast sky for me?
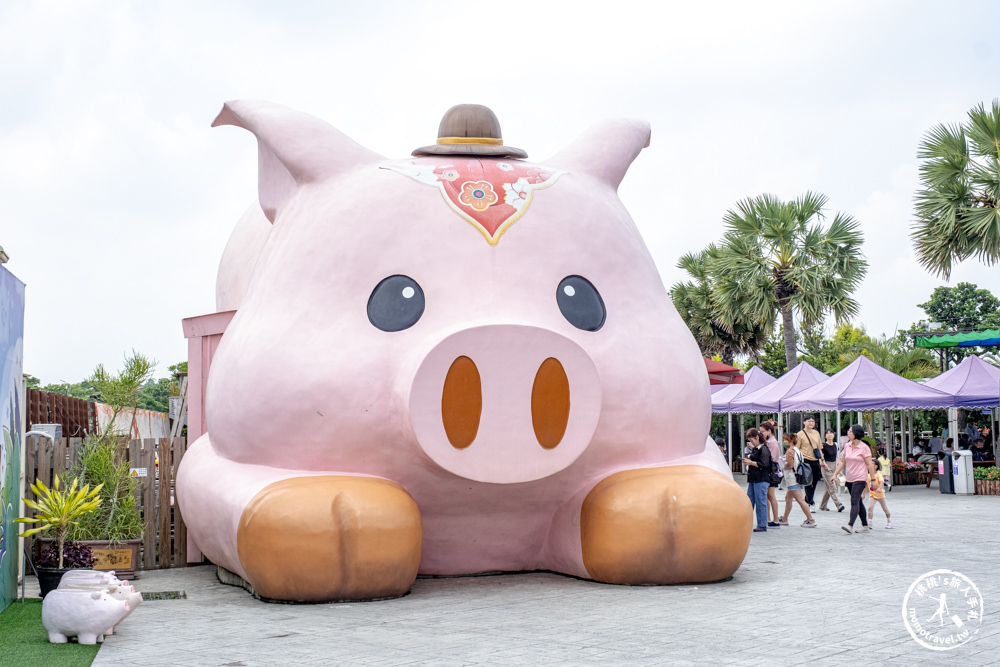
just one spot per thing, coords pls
(118, 198)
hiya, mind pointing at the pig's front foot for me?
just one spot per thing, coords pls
(330, 538)
(679, 524)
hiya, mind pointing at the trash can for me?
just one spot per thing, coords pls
(964, 484)
(946, 480)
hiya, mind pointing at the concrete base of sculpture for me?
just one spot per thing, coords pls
(347, 538)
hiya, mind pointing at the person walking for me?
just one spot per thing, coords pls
(768, 430)
(809, 442)
(857, 465)
(827, 464)
(794, 491)
(758, 467)
(884, 466)
(876, 494)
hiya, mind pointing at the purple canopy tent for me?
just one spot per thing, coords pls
(864, 385)
(769, 397)
(753, 379)
(974, 384)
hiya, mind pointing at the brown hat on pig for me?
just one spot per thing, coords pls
(470, 129)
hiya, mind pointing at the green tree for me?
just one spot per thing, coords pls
(963, 307)
(958, 203)
(122, 390)
(155, 395)
(773, 359)
(84, 389)
(778, 258)
(32, 382)
(840, 349)
(725, 334)
(913, 363)
(828, 354)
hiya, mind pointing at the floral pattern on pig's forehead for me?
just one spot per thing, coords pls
(490, 194)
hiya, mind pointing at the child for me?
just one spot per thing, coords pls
(876, 489)
(885, 467)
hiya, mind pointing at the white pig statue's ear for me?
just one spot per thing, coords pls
(605, 151)
(293, 149)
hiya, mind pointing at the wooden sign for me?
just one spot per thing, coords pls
(113, 559)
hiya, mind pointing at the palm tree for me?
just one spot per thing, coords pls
(958, 204)
(912, 363)
(776, 257)
(714, 332)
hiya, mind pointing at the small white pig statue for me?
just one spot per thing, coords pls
(88, 580)
(90, 574)
(85, 615)
(131, 597)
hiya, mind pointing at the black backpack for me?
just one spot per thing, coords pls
(803, 471)
(776, 473)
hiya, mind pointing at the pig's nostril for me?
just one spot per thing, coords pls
(550, 403)
(462, 402)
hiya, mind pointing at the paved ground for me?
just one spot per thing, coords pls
(802, 596)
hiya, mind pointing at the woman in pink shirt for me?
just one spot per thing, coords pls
(856, 462)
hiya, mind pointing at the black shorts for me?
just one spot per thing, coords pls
(773, 485)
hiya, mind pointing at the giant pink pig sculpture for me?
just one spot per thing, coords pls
(456, 363)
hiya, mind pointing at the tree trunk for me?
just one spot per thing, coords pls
(788, 333)
(727, 356)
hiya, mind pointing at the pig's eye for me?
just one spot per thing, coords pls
(396, 303)
(581, 303)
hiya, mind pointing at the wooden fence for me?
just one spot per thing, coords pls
(77, 416)
(164, 542)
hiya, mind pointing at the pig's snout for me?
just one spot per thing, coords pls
(505, 403)
(462, 403)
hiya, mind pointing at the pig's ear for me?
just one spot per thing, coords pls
(605, 151)
(293, 149)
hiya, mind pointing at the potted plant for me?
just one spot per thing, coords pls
(987, 481)
(58, 510)
(115, 528)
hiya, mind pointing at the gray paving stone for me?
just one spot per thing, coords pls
(802, 596)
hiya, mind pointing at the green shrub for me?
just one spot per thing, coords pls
(118, 517)
(991, 473)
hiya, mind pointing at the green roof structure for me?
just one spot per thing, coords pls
(988, 338)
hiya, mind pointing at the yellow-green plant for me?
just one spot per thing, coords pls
(57, 510)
